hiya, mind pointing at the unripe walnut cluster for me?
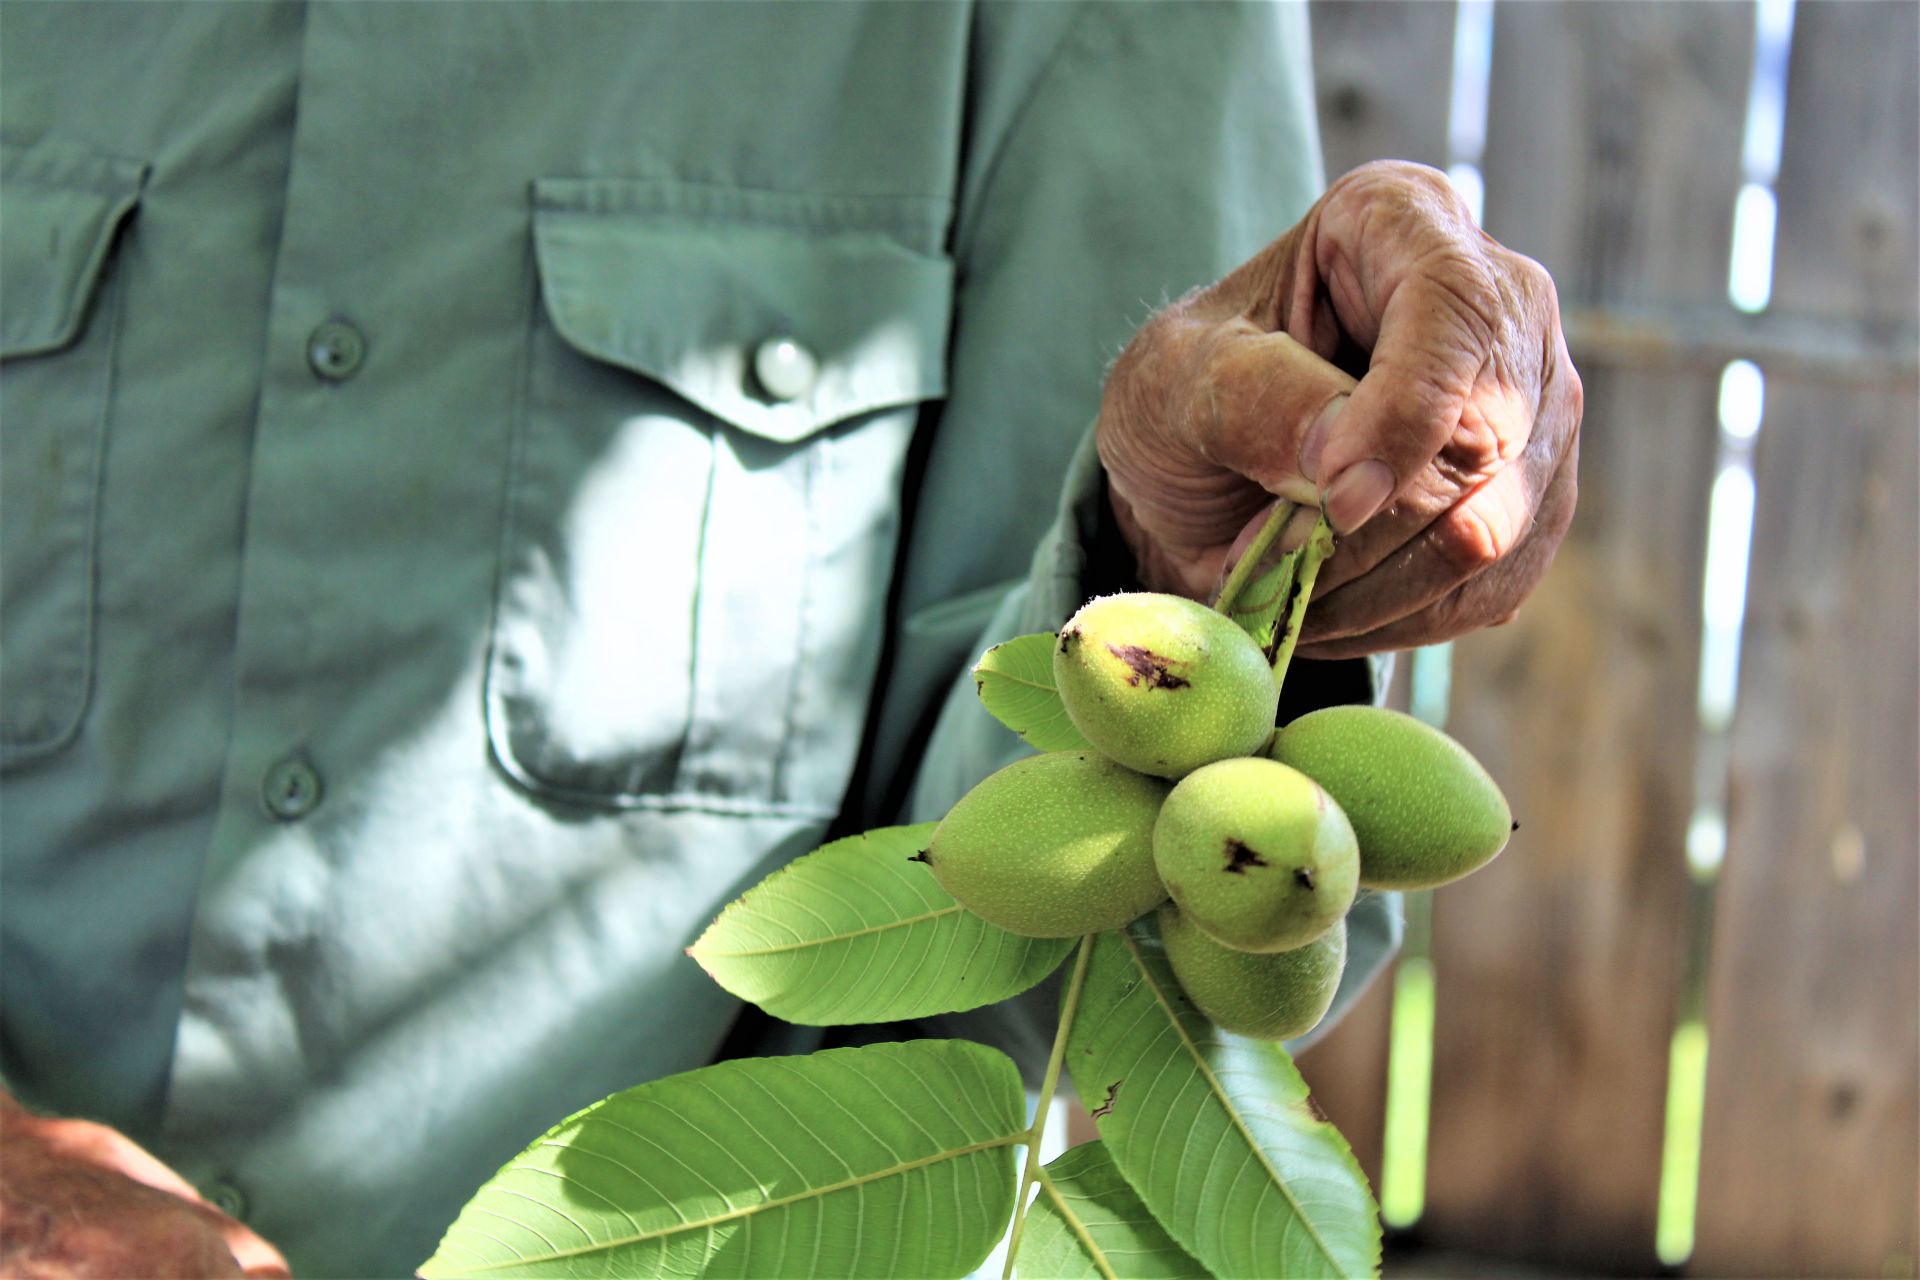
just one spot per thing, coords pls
(1261, 840)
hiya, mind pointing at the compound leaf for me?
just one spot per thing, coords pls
(1015, 680)
(890, 1160)
(1088, 1222)
(1213, 1130)
(860, 931)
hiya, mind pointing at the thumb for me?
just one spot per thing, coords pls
(1266, 404)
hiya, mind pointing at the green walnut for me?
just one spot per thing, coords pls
(1258, 856)
(1053, 846)
(1269, 997)
(1423, 809)
(1163, 684)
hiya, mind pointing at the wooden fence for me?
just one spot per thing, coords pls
(1613, 154)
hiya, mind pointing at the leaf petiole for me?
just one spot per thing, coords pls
(1319, 546)
(1249, 561)
(1069, 1004)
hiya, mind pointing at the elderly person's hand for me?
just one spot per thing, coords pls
(1448, 469)
(78, 1199)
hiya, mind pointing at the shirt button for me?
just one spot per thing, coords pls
(335, 350)
(786, 369)
(291, 789)
(228, 1199)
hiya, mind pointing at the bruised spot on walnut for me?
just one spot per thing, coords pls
(1149, 668)
(1067, 637)
(1303, 876)
(922, 857)
(1240, 857)
(1106, 1108)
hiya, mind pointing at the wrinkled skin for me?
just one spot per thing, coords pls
(1447, 469)
(80, 1200)
(1469, 403)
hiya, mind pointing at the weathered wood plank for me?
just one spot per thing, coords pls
(1381, 73)
(1811, 1166)
(1613, 146)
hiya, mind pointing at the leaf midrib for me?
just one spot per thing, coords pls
(826, 939)
(764, 1206)
(1008, 676)
(1226, 1103)
(1075, 1225)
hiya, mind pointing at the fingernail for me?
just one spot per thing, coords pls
(1357, 493)
(1316, 442)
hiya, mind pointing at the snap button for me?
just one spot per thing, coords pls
(291, 789)
(786, 369)
(228, 1199)
(335, 350)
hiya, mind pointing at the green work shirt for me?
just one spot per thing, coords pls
(483, 483)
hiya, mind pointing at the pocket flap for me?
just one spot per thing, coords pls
(61, 207)
(687, 284)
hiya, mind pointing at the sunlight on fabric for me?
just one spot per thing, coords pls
(579, 618)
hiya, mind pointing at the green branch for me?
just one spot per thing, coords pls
(1319, 546)
(1068, 1006)
(1256, 551)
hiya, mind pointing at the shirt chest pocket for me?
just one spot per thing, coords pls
(704, 501)
(62, 208)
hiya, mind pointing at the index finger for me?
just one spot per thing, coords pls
(1436, 354)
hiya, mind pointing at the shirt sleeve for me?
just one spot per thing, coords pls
(1121, 155)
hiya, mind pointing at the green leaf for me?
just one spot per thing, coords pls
(860, 931)
(1260, 608)
(890, 1160)
(1015, 680)
(1089, 1222)
(1214, 1130)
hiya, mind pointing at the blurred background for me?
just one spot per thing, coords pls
(1673, 1029)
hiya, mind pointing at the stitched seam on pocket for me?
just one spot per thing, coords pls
(492, 706)
(628, 785)
(918, 220)
(17, 751)
(683, 766)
